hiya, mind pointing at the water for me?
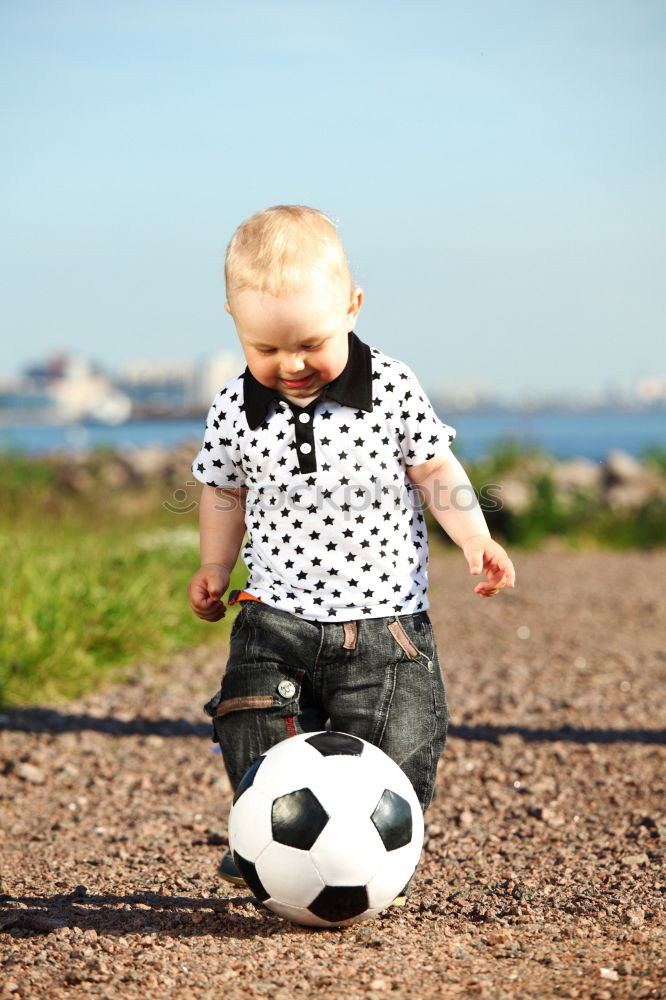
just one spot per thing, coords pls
(564, 435)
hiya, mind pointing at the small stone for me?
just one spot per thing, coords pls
(635, 917)
(499, 937)
(28, 772)
(466, 818)
(635, 859)
(42, 922)
(609, 974)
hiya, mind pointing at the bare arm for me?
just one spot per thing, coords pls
(450, 498)
(221, 529)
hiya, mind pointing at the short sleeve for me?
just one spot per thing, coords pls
(219, 460)
(422, 434)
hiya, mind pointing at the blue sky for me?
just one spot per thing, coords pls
(497, 169)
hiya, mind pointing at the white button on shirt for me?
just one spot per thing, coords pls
(348, 539)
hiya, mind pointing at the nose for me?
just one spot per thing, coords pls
(294, 363)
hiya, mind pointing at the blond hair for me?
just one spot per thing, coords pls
(279, 249)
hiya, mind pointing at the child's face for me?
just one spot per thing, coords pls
(297, 343)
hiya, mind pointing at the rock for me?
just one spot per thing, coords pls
(42, 922)
(635, 916)
(514, 495)
(115, 474)
(635, 859)
(629, 496)
(466, 818)
(76, 480)
(28, 772)
(579, 475)
(610, 974)
(628, 483)
(620, 467)
(147, 463)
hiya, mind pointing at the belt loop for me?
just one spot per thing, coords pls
(351, 635)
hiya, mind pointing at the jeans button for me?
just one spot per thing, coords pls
(286, 689)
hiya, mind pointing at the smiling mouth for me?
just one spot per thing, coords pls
(296, 383)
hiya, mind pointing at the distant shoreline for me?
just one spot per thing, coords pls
(13, 417)
(564, 435)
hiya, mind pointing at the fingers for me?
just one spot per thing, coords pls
(510, 572)
(209, 610)
(204, 592)
(213, 613)
(487, 556)
(487, 589)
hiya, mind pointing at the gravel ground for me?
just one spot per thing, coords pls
(541, 874)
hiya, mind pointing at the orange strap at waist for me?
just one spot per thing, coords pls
(242, 595)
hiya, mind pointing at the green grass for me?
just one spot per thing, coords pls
(90, 585)
(95, 577)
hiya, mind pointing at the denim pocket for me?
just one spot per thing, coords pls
(413, 634)
(257, 708)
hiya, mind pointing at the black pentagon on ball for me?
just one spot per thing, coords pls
(393, 819)
(248, 778)
(329, 744)
(298, 818)
(340, 902)
(249, 873)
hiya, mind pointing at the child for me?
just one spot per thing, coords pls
(323, 451)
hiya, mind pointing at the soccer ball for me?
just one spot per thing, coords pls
(325, 829)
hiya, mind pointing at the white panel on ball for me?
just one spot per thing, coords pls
(348, 851)
(290, 874)
(396, 869)
(277, 774)
(250, 822)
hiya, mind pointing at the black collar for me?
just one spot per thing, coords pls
(352, 387)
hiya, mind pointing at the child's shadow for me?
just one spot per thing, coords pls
(142, 913)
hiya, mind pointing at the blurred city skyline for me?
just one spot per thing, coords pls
(67, 386)
(496, 168)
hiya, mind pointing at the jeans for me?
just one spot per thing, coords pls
(377, 678)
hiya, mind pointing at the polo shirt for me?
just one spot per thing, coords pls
(335, 530)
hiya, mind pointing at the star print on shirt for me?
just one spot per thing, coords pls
(318, 539)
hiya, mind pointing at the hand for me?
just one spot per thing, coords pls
(205, 591)
(483, 555)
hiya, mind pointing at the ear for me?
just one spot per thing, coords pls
(355, 303)
(227, 307)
